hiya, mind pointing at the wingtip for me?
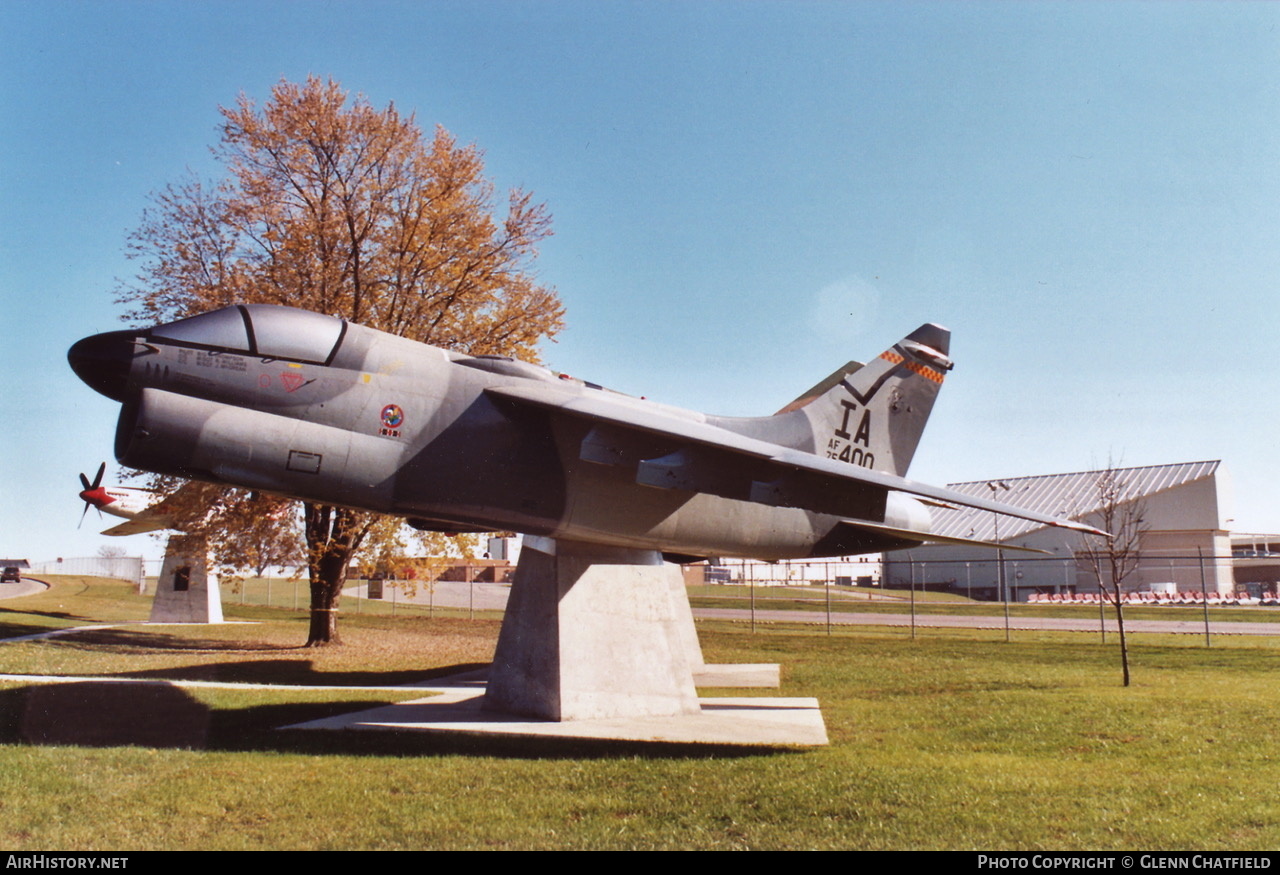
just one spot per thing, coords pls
(1082, 527)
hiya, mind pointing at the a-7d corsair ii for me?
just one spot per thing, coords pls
(311, 406)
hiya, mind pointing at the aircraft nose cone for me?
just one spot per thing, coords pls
(103, 361)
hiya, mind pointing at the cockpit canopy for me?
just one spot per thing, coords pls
(260, 330)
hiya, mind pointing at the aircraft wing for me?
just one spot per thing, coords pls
(160, 515)
(143, 522)
(711, 459)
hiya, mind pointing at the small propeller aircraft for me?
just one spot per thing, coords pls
(143, 509)
(310, 406)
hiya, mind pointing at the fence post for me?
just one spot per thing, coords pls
(1204, 597)
(911, 575)
(828, 581)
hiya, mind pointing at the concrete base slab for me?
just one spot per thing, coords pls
(754, 722)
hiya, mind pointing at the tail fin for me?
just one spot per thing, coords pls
(873, 415)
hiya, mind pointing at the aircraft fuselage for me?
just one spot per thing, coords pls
(308, 406)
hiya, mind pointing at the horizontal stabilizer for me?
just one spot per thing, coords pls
(880, 528)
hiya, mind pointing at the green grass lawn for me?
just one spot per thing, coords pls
(954, 740)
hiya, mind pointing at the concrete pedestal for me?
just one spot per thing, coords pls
(183, 592)
(594, 632)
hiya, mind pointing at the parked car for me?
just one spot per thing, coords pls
(11, 574)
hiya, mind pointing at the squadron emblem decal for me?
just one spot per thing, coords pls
(392, 419)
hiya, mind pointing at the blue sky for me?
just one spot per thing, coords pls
(746, 195)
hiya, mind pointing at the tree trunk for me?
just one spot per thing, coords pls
(326, 593)
(1124, 643)
(333, 536)
(323, 630)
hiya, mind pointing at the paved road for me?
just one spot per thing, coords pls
(28, 586)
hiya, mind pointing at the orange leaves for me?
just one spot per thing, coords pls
(333, 205)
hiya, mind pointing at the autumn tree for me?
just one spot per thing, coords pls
(1112, 560)
(333, 205)
(245, 531)
(255, 532)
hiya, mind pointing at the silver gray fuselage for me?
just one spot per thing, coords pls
(382, 423)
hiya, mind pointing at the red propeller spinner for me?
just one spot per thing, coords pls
(93, 493)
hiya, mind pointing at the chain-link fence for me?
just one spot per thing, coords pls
(815, 596)
(128, 568)
(1019, 576)
(378, 596)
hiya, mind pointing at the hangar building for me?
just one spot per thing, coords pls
(1184, 545)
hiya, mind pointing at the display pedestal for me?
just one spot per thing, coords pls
(594, 632)
(183, 592)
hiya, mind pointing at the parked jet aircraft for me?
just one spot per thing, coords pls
(143, 508)
(311, 406)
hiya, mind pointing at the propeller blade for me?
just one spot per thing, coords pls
(90, 487)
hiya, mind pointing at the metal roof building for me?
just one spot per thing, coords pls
(1184, 534)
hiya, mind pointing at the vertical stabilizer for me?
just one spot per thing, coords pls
(872, 415)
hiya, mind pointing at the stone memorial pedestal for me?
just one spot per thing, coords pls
(183, 592)
(594, 632)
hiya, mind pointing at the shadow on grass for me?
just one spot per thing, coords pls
(294, 665)
(299, 672)
(156, 715)
(11, 627)
(17, 630)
